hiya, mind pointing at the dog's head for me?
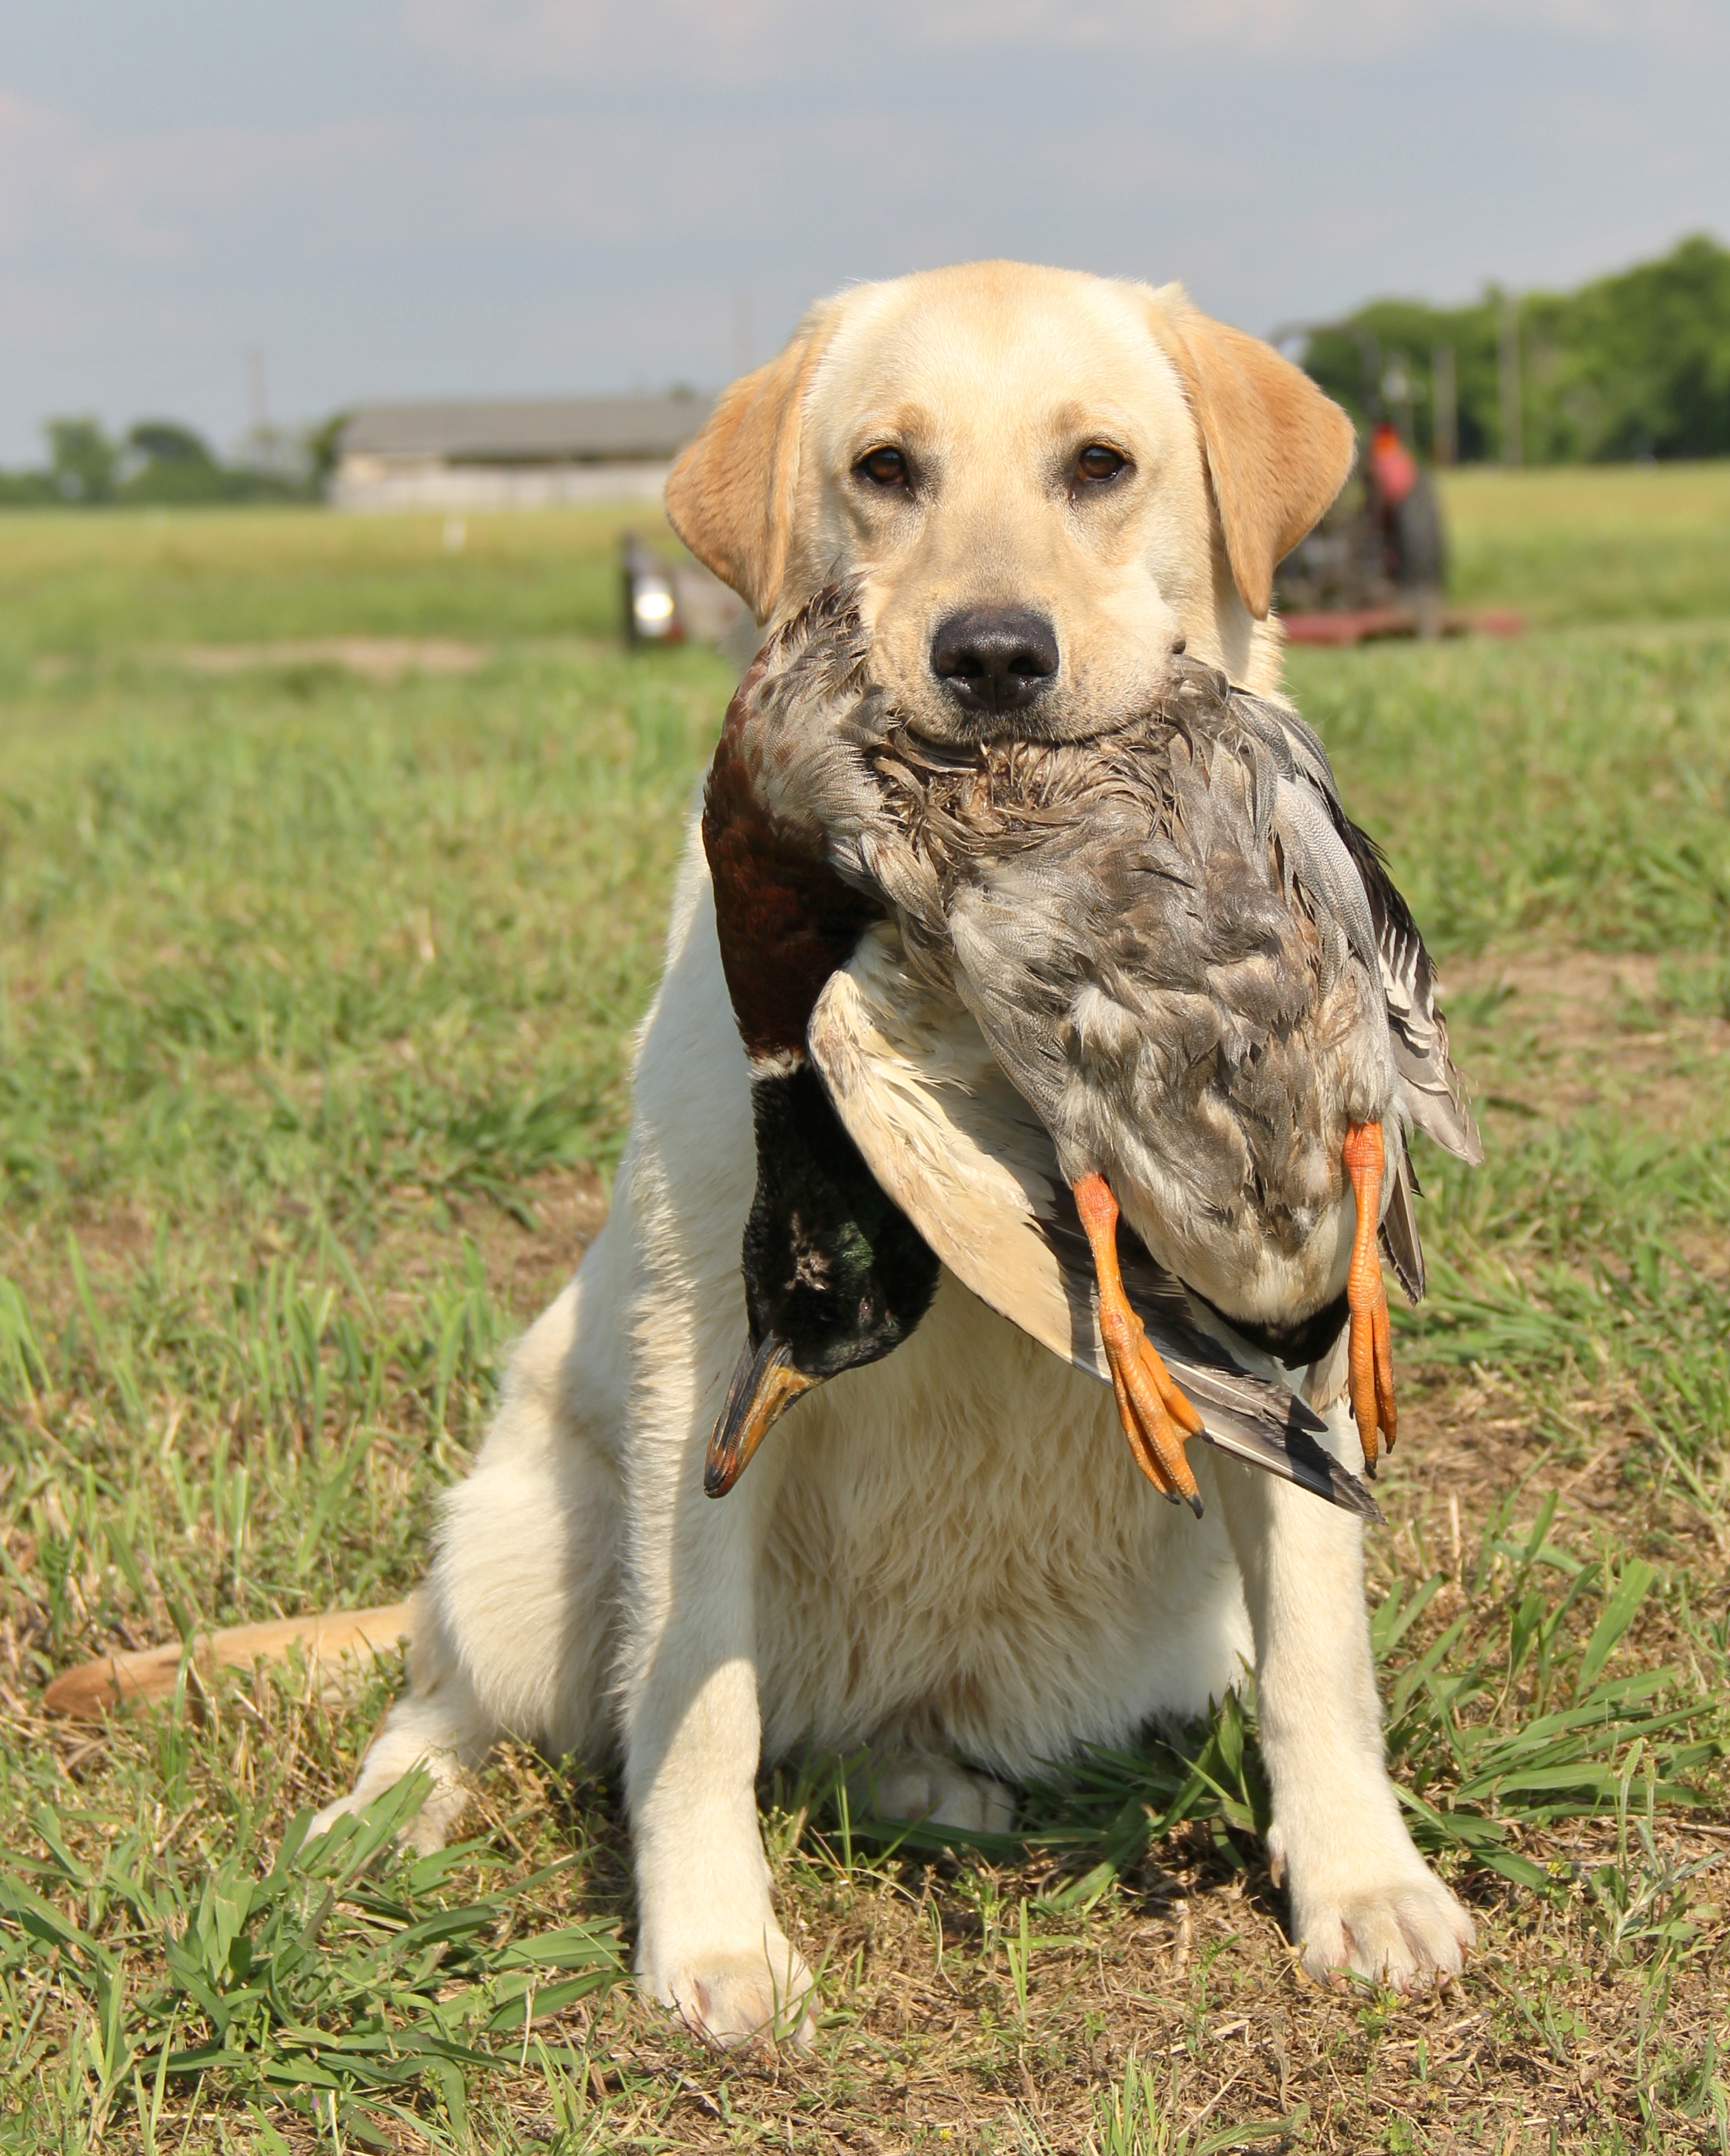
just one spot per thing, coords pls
(1044, 483)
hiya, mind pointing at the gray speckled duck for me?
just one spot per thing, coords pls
(1186, 961)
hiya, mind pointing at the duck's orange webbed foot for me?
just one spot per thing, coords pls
(1157, 1417)
(1371, 1342)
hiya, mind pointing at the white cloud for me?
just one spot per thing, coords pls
(158, 196)
(56, 177)
(732, 41)
(522, 39)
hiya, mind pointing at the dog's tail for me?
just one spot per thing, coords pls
(336, 1645)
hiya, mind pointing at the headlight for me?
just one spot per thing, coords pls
(651, 606)
(651, 597)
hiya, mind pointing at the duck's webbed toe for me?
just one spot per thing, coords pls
(1156, 1414)
(1372, 1340)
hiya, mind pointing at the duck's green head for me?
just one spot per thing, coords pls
(836, 1275)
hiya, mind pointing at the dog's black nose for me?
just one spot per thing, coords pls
(994, 659)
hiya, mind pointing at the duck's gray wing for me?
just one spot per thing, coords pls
(1343, 866)
(955, 1146)
(1434, 1091)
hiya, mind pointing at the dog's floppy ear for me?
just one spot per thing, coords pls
(730, 496)
(1278, 450)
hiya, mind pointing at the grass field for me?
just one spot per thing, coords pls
(316, 988)
(1592, 544)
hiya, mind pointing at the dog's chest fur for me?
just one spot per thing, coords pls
(963, 1554)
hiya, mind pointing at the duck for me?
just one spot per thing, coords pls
(1199, 974)
(890, 1139)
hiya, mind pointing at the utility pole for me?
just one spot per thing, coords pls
(1444, 407)
(258, 404)
(1508, 368)
(1398, 393)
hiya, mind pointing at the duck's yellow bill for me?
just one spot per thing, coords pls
(764, 1386)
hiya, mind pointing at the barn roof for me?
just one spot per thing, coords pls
(528, 429)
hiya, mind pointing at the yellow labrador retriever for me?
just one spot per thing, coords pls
(1048, 484)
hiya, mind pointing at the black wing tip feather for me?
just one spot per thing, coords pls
(1400, 1242)
(1299, 1460)
(1410, 1276)
(1255, 1408)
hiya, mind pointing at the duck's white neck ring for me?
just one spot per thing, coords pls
(776, 1063)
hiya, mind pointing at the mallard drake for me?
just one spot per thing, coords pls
(906, 1141)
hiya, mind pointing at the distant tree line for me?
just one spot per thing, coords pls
(160, 462)
(1631, 366)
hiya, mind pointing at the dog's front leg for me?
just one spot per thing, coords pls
(1362, 1896)
(709, 1945)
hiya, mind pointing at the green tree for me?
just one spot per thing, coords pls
(82, 460)
(1352, 359)
(166, 442)
(1634, 364)
(171, 464)
(324, 446)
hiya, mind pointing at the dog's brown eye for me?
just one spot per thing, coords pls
(884, 467)
(1096, 462)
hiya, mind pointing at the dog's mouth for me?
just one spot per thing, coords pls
(1068, 714)
(1033, 728)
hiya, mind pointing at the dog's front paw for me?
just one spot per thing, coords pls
(923, 1785)
(762, 1994)
(1392, 1920)
(432, 1826)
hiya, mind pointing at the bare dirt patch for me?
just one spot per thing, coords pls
(1577, 1030)
(527, 1264)
(384, 659)
(1467, 1441)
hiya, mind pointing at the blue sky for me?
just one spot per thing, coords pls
(401, 197)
